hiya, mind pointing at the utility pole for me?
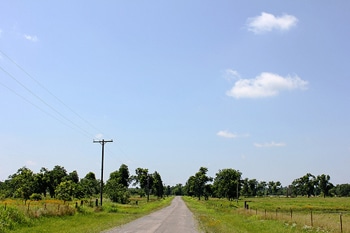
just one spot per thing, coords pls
(102, 142)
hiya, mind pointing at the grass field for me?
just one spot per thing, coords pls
(272, 214)
(56, 216)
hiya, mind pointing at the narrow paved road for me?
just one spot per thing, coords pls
(172, 219)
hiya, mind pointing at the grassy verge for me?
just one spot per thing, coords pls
(88, 219)
(219, 215)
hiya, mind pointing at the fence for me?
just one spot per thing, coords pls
(317, 219)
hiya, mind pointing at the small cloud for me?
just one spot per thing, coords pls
(270, 144)
(232, 74)
(31, 38)
(226, 134)
(265, 85)
(267, 22)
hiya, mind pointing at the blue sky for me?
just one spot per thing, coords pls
(261, 87)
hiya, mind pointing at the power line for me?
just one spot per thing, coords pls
(36, 106)
(48, 91)
(44, 102)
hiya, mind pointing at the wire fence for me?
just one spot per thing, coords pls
(309, 219)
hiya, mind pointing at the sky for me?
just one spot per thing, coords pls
(258, 86)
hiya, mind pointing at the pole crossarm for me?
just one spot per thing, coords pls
(102, 142)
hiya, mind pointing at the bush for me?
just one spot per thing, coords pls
(10, 217)
(35, 197)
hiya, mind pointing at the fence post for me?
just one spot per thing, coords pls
(291, 214)
(312, 221)
(265, 213)
(341, 222)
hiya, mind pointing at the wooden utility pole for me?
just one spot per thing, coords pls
(102, 142)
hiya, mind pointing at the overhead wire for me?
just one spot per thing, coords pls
(44, 102)
(36, 106)
(48, 91)
(81, 130)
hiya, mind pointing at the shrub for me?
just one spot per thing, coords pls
(10, 217)
(36, 197)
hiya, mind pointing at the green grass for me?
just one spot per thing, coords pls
(91, 219)
(220, 215)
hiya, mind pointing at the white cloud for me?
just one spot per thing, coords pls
(270, 144)
(267, 22)
(226, 134)
(31, 38)
(232, 74)
(265, 85)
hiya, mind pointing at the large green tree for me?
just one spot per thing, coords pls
(226, 183)
(158, 187)
(324, 184)
(23, 183)
(117, 185)
(89, 185)
(198, 183)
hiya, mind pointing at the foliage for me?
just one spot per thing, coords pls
(10, 218)
(158, 188)
(117, 185)
(197, 185)
(66, 190)
(226, 183)
(36, 197)
(117, 192)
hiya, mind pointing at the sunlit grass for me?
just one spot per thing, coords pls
(221, 215)
(85, 219)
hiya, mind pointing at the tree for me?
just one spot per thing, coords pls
(54, 178)
(117, 185)
(73, 176)
(124, 175)
(304, 185)
(66, 190)
(89, 185)
(116, 191)
(226, 183)
(158, 188)
(178, 190)
(198, 183)
(324, 184)
(23, 183)
(144, 179)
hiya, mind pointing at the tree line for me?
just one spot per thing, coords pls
(227, 183)
(58, 183)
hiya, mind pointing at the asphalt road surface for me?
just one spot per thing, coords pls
(172, 219)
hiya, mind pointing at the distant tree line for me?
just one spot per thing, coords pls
(229, 184)
(57, 183)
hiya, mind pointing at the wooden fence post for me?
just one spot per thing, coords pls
(312, 221)
(341, 222)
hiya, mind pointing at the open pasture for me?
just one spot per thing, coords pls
(273, 214)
